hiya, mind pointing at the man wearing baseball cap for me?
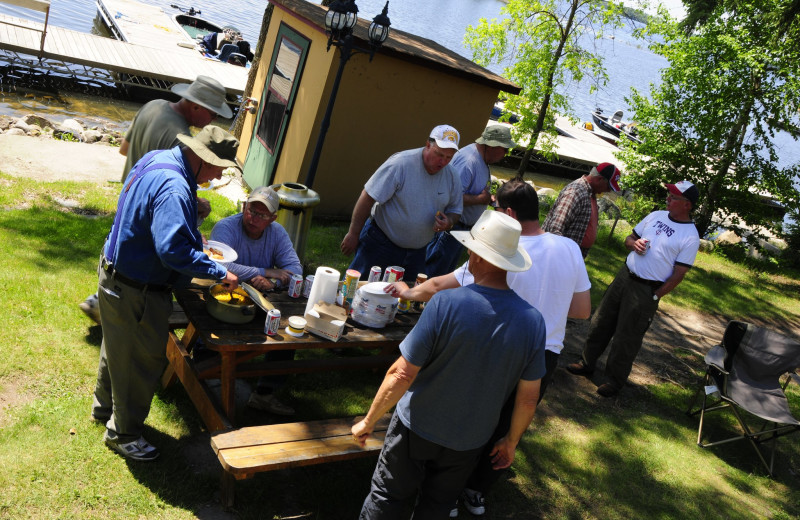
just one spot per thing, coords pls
(575, 214)
(472, 164)
(471, 349)
(266, 260)
(413, 195)
(662, 248)
(157, 125)
(153, 246)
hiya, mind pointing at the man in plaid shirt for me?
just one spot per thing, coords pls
(574, 214)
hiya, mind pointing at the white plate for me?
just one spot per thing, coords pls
(215, 183)
(228, 254)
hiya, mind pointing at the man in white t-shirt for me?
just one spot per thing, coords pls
(662, 248)
(557, 285)
(413, 195)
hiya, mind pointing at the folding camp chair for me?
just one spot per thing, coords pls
(743, 373)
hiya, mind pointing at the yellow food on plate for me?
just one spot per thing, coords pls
(214, 253)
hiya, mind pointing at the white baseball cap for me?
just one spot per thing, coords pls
(445, 136)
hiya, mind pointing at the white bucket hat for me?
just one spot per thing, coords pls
(495, 238)
(206, 92)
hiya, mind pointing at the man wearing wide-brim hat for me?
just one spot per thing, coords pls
(153, 246)
(157, 125)
(470, 349)
(471, 163)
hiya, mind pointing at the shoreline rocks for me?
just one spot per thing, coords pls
(72, 129)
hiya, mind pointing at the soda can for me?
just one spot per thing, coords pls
(421, 278)
(375, 274)
(351, 277)
(296, 286)
(396, 274)
(273, 322)
(646, 246)
(386, 274)
(307, 285)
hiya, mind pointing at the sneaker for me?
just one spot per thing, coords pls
(474, 502)
(607, 390)
(139, 449)
(454, 511)
(269, 403)
(580, 369)
(91, 307)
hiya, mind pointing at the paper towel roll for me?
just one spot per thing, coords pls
(326, 285)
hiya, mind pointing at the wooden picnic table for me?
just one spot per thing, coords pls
(238, 346)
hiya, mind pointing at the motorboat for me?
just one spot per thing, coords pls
(614, 125)
(192, 25)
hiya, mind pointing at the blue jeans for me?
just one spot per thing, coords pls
(375, 248)
(443, 252)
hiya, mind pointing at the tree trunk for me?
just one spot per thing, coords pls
(537, 129)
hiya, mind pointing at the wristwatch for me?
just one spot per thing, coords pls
(655, 297)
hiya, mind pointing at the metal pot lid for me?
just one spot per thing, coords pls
(257, 296)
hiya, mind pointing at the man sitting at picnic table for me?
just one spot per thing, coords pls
(266, 260)
(470, 348)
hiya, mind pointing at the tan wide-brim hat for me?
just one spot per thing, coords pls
(495, 238)
(266, 196)
(497, 135)
(206, 92)
(213, 145)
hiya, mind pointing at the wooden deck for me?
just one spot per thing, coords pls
(175, 65)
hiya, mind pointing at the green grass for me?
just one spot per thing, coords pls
(584, 458)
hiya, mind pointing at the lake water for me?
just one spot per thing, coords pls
(628, 61)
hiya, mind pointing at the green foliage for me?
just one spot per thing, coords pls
(544, 45)
(791, 235)
(634, 207)
(729, 87)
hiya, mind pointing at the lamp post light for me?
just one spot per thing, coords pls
(339, 23)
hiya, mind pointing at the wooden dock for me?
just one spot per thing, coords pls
(172, 65)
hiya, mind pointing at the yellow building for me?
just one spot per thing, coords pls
(382, 107)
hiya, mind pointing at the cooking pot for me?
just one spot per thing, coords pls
(373, 307)
(219, 305)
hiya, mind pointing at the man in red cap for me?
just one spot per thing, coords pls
(662, 249)
(574, 214)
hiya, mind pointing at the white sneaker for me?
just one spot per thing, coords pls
(91, 307)
(269, 403)
(454, 511)
(474, 502)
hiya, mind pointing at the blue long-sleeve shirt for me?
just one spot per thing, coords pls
(273, 249)
(158, 239)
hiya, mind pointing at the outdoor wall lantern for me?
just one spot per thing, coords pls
(340, 20)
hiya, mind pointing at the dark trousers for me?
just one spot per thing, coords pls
(410, 466)
(621, 320)
(375, 248)
(484, 475)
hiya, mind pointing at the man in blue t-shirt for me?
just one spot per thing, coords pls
(471, 347)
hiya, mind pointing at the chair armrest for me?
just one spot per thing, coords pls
(716, 358)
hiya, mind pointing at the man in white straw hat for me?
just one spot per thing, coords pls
(470, 349)
(472, 164)
(157, 125)
(153, 246)
(413, 195)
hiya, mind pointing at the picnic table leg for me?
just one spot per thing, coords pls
(189, 338)
(226, 490)
(227, 379)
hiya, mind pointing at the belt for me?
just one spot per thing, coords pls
(116, 275)
(652, 283)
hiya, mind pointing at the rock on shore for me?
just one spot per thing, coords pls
(69, 130)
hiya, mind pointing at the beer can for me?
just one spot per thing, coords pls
(421, 278)
(386, 274)
(273, 322)
(396, 273)
(375, 274)
(646, 246)
(307, 285)
(351, 277)
(296, 285)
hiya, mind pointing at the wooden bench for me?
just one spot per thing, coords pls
(250, 450)
(35, 5)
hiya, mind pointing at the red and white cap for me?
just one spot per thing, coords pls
(610, 173)
(684, 189)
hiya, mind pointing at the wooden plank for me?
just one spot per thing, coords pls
(280, 433)
(36, 5)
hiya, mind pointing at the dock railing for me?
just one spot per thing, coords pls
(36, 5)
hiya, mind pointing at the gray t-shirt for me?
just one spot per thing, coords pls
(155, 127)
(474, 344)
(474, 177)
(408, 198)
